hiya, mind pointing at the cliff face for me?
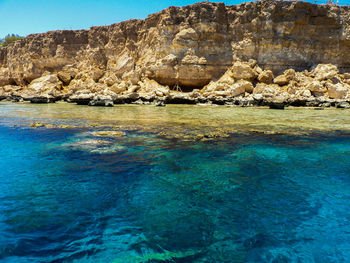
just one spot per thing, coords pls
(187, 46)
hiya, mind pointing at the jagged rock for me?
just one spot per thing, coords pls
(343, 105)
(325, 71)
(202, 45)
(242, 70)
(82, 97)
(281, 80)
(119, 87)
(265, 90)
(241, 87)
(148, 86)
(102, 100)
(306, 93)
(266, 77)
(65, 77)
(316, 88)
(43, 90)
(189, 45)
(336, 91)
(289, 74)
(133, 88)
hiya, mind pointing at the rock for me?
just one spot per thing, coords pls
(325, 104)
(133, 88)
(265, 90)
(82, 97)
(343, 105)
(65, 77)
(337, 91)
(148, 86)
(126, 98)
(306, 93)
(266, 77)
(43, 90)
(119, 87)
(289, 74)
(325, 71)
(316, 88)
(101, 100)
(281, 80)
(201, 45)
(276, 103)
(159, 103)
(241, 87)
(242, 70)
(108, 133)
(346, 75)
(42, 99)
(189, 46)
(258, 97)
(37, 125)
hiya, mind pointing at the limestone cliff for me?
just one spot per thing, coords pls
(184, 46)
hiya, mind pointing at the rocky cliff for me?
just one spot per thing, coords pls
(181, 47)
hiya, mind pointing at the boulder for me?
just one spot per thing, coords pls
(248, 86)
(306, 93)
(266, 90)
(101, 100)
(343, 105)
(119, 87)
(65, 77)
(316, 88)
(281, 80)
(266, 77)
(242, 70)
(240, 88)
(82, 97)
(150, 86)
(336, 91)
(325, 71)
(44, 89)
(289, 74)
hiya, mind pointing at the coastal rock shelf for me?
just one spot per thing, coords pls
(266, 53)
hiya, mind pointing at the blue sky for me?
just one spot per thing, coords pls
(24, 17)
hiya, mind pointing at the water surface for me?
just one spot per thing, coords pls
(69, 195)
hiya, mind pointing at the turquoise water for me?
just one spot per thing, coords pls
(67, 197)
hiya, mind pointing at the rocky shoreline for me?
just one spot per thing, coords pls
(244, 84)
(265, 53)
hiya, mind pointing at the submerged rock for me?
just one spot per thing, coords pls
(109, 133)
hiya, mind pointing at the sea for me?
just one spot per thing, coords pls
(180, 183)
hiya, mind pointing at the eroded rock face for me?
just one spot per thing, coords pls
(190, 45)
(222, 52)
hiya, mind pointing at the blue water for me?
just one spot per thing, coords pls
(139, 198)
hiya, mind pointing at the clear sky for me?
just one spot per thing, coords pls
(24, 17)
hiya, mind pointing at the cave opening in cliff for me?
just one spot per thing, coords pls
(184, 88)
